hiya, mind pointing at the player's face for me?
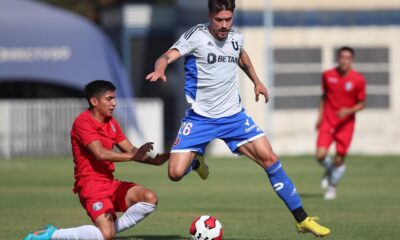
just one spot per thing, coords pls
(220, 24)
(345, 60)
(105, 105)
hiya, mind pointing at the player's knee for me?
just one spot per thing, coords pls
(339, 160)
(175, 178)
(320, 155)
(175, 175)
(269, 158)
(151, 197)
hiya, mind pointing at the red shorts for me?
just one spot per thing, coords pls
(99, 197)
(341, 134)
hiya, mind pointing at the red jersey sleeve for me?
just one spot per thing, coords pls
(119, 134)
(84, 132)
(361, 91)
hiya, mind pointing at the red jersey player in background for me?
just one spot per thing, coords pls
(343, 95)
(93, 136)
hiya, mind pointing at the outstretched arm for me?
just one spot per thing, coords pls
(103, 154)
(247, 67)
(140, 154)
(161, 65)
(135, 154)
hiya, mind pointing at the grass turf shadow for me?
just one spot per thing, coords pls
(311, 195)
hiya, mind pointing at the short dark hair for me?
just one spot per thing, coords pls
(215, 6)
(346, 48)
(97, 88)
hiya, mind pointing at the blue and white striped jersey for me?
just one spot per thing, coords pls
(211, 71)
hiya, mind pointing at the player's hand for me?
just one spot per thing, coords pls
(142, 151)
(155, 76)
(344, 112)
(160, 159)
(261, 89)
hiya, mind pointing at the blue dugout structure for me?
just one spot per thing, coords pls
(50, 45)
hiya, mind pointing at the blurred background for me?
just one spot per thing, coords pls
(49, 49)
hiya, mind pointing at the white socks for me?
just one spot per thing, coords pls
(130, 218)
(86, 232)
(327, 162)
(133, 216)
(336, 174)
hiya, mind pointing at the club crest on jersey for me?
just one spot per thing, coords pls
(210, 43)
(235, 45)
(332, 80)
(97, 206)
(348, 86)
(113, 128)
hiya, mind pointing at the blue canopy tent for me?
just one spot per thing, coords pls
(49, 45)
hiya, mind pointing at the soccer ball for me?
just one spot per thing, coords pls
(206, 228)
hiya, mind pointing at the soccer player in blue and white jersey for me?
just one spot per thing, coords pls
(213, 52)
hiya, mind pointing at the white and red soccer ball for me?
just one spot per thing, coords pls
(206, 228)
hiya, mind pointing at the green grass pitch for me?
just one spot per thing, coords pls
(36, 192)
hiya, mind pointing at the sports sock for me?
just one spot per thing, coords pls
(337, 173)
(195, 164)
(299, 214)
(134, 215)
(86, 232)
(283, 186)
(327, 162)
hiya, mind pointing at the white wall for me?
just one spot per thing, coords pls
(319, 4)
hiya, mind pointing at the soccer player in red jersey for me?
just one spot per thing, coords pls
(94, 134)
(343, 95)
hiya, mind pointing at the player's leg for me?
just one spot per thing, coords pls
(50, 232)
(338, 169)
(98, 207)
(102, 213)
(323, 158)
(337, 173)
(261, 152)
(326, 162)
(187, 152)
(242, 135)
(343, 137)
(106, 224)
(180, 164)
(136, 202)
(324, 140)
